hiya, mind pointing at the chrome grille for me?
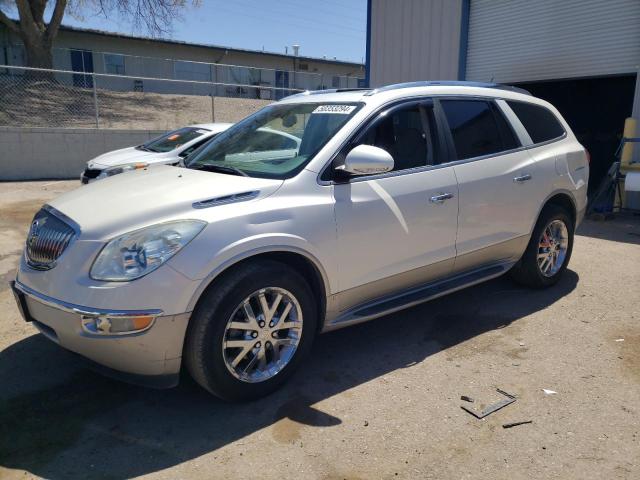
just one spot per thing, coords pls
(48, 238)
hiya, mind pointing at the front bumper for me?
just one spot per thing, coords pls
(151, 357)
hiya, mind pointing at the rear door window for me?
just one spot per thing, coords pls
(541, 124)
(477, 128)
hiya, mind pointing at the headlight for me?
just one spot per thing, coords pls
(108, 172)
(138, 253)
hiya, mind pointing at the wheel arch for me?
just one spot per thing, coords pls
(566, 201)
(563, 199)
(300, 260)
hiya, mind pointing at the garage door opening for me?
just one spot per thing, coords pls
(595, 108)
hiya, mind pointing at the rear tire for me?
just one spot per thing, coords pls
(549, 249)
(250, 331)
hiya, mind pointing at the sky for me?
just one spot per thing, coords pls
(335, 28)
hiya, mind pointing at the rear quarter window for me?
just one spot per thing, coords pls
(541, 124)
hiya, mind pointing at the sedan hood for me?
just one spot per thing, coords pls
(156, 194)
(122, 157)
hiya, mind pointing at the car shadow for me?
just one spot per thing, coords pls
(624, 228)
(58, 420)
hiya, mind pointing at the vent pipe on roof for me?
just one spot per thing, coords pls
(296, 50)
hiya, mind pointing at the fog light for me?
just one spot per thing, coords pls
(116, 325)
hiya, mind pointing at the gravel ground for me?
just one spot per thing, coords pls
(379, 400)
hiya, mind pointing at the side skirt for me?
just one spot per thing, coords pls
(415, 296)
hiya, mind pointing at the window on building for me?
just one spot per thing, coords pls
(192, 71)
(477, 129)
(540, 123)
(402, 134)
(114, 63)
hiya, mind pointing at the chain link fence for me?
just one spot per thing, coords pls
(32, 97)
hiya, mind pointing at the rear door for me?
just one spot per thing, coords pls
(497, 182)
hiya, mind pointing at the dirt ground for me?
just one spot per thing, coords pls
(379, 400)
(46, 104)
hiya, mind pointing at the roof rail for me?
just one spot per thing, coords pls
(449, 83)
(329, 90)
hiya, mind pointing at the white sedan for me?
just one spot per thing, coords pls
(167, 149)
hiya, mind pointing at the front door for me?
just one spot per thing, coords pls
(397, 229)
(497, 184)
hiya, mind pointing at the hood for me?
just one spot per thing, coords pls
(138, 198)
(122, 157)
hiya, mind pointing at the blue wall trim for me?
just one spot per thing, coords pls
(367, 64)
(464, 39)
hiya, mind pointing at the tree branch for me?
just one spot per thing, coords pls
(56, 19)
(27, 22)
(10, 24)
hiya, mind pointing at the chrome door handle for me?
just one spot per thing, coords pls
(522, 178)
(440, 198)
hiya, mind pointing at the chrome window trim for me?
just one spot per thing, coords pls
(82, 310)
(426, 167)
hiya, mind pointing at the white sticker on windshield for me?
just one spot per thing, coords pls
(339, 109)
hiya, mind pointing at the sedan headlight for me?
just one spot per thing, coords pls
(109, 172)
(138, 253)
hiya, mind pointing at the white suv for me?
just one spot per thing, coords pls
(232, 265)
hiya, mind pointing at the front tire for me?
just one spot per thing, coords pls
(251, 330)
(549, 249)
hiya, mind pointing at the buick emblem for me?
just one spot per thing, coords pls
(33, 232)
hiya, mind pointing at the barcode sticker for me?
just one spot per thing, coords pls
(339, 109)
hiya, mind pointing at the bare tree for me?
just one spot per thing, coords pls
(37, 34)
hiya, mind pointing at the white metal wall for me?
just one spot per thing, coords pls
(414, 40)
(525, 40)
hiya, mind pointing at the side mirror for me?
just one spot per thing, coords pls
(367, 160)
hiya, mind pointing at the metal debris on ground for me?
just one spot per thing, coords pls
(466, 399)
(492, 408)
(620, 340)
(549, 392)
(515, 424)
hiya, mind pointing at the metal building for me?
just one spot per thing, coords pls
(581, 55)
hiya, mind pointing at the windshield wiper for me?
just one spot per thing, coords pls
(221, 169)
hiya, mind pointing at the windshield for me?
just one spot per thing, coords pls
(276, 142)
(172, 140)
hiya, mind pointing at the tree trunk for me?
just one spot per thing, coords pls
(39, 54)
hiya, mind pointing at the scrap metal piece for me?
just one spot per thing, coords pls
(466, 399)
(492, 408)
(515, 424)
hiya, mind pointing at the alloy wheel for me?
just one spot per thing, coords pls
(262, 335)
(552, 248)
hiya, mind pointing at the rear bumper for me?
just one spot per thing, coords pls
(151, 357)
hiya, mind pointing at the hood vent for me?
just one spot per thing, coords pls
(236, 197)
